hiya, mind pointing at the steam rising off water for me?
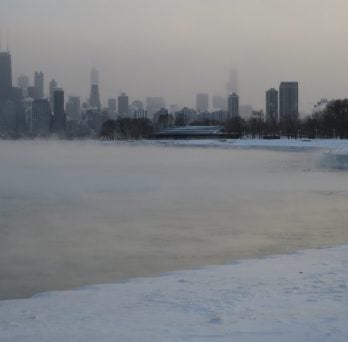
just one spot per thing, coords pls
(75, 213)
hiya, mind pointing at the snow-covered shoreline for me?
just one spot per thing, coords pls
(294, 297)
(288, 144)
(335, 151)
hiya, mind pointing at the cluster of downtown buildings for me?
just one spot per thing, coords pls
(280, 105)
(26, 111)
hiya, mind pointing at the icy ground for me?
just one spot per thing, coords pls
(335, 150)
(287, 144)
(294, 297)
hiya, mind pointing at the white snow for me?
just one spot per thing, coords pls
(294, 297)
(288, 144)
(335, 151)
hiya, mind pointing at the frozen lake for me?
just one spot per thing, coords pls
(75, 213)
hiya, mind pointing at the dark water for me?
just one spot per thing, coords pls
(75, 213)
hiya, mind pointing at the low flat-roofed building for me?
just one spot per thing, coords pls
(192, 132)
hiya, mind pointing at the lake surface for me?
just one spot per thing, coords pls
(76, 213)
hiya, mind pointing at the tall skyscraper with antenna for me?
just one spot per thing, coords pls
(94, 99)
(5, 72)
(8, 109)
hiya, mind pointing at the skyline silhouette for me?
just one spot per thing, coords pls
(176, 49)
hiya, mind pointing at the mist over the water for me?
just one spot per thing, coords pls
(75, 213)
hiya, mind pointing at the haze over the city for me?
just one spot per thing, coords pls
(177, 48)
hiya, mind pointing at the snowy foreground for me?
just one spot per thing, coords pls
(286, 144)
(294, 297)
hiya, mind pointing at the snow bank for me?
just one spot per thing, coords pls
(335, 155)
(289, 144)
(295, 297)
(280, 144)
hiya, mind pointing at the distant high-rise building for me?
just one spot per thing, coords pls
(185, 116)
(53, 86)
(5, 76)
(11, 108)
(58, 111)
(40, 117)
(7, 116)
(23, 83)
(39, 84)
(27, 108)
(272, 105)
(94, 99)
(32, 92)
(123, 105)
(73, 108)
(112, 105)
(160, 116)
(16, 94)
(232, 84)
(233, 106)
(154, 104)
(288, 100)
(94, 76)
(202, 102)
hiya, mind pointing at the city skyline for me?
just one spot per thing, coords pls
(179, 55)
(37, 90)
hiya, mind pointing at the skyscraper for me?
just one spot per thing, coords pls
(288, 100)
(39, 84)
(7, 116)
(53, 86)
(233, 106)
(73, 108)
(123, 105)
(202, 102)
(58, 111)
(5, 76)
(32, 92)
(112, 107)
(272, 105)
(23, 83)
(94, 98)
(40, 118)
(94, 76)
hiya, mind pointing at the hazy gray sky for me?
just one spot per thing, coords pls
(176, 48)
